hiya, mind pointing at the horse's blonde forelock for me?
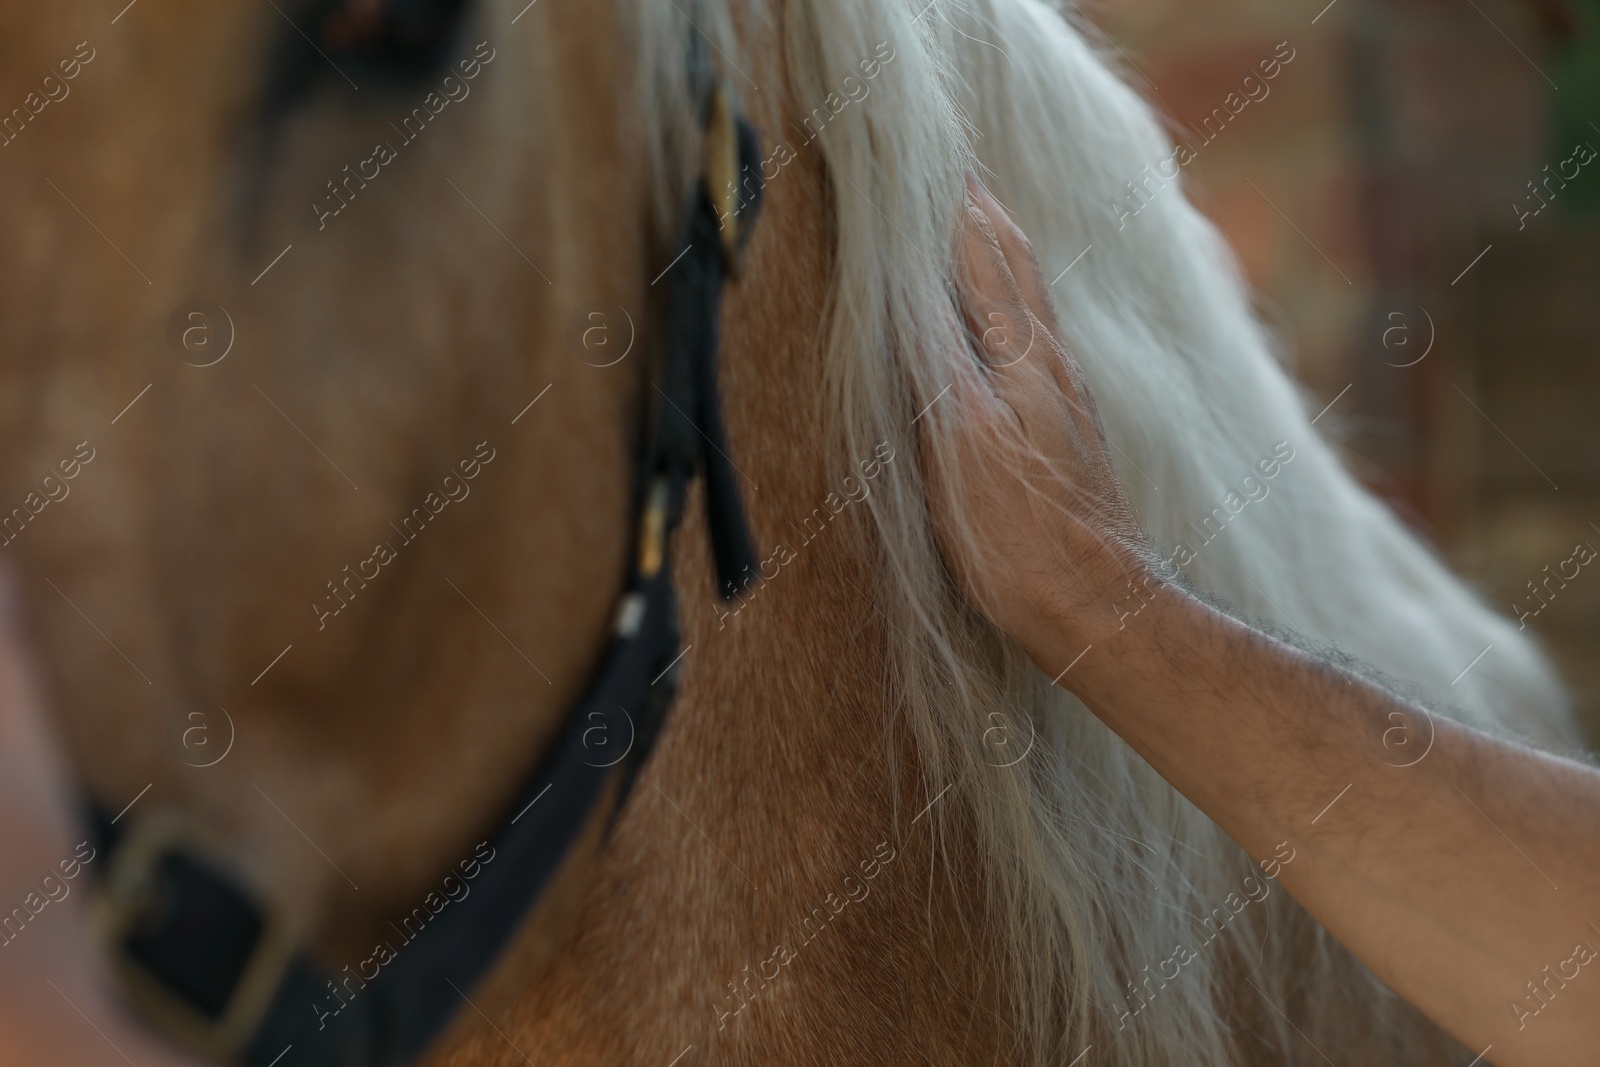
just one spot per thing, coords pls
(1095, 867)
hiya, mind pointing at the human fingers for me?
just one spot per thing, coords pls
(1018, 251)
(1023, 269)
(1023, 266)
(1003, 329)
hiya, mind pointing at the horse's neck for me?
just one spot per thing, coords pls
(771, 884)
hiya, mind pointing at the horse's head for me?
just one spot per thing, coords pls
(327, 328)
(330, 327)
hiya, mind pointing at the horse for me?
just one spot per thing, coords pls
(287, 273)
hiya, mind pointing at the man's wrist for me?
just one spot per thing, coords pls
(1136, 652)
(1097, 609)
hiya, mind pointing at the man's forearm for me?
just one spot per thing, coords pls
(1394, 848)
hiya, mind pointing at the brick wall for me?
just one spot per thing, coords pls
(1385, 158)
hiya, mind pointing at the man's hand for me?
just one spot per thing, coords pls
(1442, 877)
(1029, 512)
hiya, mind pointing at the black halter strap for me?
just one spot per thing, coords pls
(204, 957)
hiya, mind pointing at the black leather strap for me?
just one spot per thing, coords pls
(390, 1019)
(694, 428)
(198, 941)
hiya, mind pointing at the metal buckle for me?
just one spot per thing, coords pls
(653, 528)
(721, 172)
(163, 857)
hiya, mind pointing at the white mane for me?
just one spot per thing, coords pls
(1097, 866)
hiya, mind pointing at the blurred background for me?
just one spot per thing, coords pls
(1417, 199)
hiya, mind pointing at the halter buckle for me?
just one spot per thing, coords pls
(196, 951)
(721, 171)
(653, 527)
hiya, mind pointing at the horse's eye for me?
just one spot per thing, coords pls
(395, 38)
(386, 41)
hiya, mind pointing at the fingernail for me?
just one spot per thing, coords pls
(973, 202)
(991, 203)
